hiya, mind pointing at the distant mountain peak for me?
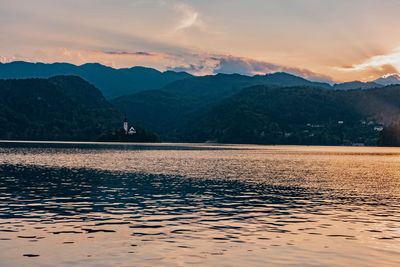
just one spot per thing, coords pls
(281, 73)
(356, 85)
(142, 68)
(389, 79)
(396, 75)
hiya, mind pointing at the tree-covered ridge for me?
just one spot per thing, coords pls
(168, 109)
(218, 108)
(300, 115)
(61, 108)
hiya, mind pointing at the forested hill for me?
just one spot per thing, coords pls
(299, 115)
(263, 114)
(59, 108)
(167, 109)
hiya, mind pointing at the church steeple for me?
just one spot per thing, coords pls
(125, 125)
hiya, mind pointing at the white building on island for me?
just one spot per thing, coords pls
(131, 131)
(127, 130)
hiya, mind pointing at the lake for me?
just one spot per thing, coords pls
(88, 204)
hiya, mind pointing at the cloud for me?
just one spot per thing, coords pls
(377, 65)
(128, 53)
(197, 64)
(246, 66)
(191, 68)
(380, 71)
(190, 17)
(214, 64)
(5, 59)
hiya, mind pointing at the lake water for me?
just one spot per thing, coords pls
(65, 204)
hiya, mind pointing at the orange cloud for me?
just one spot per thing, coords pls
(375, 72)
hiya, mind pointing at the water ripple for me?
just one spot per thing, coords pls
(91, 206)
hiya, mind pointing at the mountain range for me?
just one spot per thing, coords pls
(114, 83)
(111, 82)
(277, 108)
(171, 110)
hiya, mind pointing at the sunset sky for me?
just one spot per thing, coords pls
(336, 40)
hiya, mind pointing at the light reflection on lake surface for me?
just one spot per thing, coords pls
(68, 204)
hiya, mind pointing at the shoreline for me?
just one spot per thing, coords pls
(183, 144)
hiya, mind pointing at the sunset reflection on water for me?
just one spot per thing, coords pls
(168, 205)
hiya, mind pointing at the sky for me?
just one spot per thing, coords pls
(323, 40)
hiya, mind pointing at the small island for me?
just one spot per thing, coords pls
(128, 133)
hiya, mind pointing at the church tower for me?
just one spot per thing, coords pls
(125, 125)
